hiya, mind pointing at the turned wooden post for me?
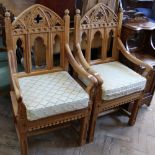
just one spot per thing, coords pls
(66, 37)
(120, 18)
(77, 20)
(8, 31)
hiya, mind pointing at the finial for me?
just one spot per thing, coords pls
(120, 9)
(7, 14)
(66, 12)
(77, 11)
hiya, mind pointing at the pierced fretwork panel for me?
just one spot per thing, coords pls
(100, 15)
(37, 19)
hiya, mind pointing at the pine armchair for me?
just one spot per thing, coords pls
(45, 96)
(98, 45)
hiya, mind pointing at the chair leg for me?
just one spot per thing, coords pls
(22, 135)
(83, 130)
(92, 125)
(23, 144)
(134, 113)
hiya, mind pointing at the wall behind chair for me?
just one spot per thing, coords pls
(17, 6)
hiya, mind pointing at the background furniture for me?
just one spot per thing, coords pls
(117, 84)
(132, 4)
(46, 97)
(137, 37)
(147, 7)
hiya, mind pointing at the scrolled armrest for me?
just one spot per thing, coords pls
(97, 76)
(133, 59)
(16, 88)
(79, 69)
(86, 66)
(81, 58)
(21, 109)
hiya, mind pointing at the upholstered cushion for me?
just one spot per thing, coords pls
(118, 80)
(50, 94)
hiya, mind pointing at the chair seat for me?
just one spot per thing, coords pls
(50, 94)
(118, 80)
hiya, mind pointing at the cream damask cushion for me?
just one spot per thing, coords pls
(50, 94)
(119, 80)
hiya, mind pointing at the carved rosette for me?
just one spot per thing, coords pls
(37, 18)
(100, 15)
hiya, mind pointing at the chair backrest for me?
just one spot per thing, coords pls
(97, 33)
(34, 36)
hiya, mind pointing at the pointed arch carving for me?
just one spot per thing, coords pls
(36, 17)
(100, 14)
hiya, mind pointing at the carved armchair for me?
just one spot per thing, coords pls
(45, 97)
(117, 84)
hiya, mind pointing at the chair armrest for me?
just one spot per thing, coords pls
(80, 70)
(21, 109)
(133, 59)
(16, 88)
(86, 66)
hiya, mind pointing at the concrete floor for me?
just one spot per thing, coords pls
(112, 136)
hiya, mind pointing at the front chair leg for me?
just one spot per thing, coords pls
(83, 130)
(134, 113)
(24, 144)
(92, 126)
(23, 138)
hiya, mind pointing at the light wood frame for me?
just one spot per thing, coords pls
(26, 29)
(102, 19)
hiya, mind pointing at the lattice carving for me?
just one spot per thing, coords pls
(37, 17)
(100, 14)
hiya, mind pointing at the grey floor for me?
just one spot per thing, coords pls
(112, 136)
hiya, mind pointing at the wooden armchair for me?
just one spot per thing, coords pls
(45, 97)
(117, 84)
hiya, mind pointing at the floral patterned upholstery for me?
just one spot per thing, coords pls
(50, 94)
(118, 80)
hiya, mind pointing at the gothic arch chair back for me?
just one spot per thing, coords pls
(98, 45)
(45, 96)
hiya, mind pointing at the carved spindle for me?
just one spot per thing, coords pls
(77, 27)
(67, 25)
(120, 18)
